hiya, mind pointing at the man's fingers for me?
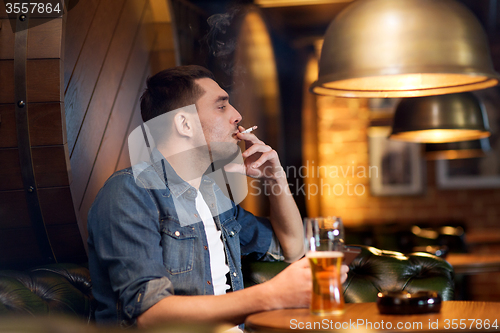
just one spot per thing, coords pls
(256, 148)
(235, 168)
(304, 262)
(264, 158)
(249, 138)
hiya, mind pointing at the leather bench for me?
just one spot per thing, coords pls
(67, 289)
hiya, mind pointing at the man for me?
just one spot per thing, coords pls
(161, 245)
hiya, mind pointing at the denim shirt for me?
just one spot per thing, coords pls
(140, 252)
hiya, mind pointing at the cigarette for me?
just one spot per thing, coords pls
(251, 129)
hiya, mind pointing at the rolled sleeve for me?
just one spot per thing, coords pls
(124, 233)
(274, 253)
(155, 291)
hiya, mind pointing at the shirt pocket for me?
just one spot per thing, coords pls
(178, 247)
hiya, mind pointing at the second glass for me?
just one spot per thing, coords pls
(324, 245)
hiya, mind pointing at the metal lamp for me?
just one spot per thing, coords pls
(442, 118)
(457, 150)
(404, 48)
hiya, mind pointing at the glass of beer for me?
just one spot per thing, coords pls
(324, 244)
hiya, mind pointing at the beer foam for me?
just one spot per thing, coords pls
(324, 254)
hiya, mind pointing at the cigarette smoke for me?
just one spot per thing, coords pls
(222, 38)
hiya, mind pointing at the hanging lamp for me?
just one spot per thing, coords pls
(442, 118)
(457, 150)
(404, 48)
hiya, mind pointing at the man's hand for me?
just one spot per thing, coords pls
(344, 269)
(292, 287)
(261, 161)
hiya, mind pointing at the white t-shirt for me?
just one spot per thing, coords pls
(218, 266)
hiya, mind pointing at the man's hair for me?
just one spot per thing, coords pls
(171, 89)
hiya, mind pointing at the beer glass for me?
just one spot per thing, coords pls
(324, 238)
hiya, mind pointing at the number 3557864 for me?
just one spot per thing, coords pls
(33, 8)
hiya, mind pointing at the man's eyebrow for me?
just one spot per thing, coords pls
(222, 98)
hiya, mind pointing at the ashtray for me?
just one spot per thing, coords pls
(403, 302)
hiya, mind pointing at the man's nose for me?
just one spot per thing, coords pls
(236, 117)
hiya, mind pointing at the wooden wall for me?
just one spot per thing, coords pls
(45, 110)
(111, 49)
(85, 74)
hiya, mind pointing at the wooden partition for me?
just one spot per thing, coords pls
(85, 73)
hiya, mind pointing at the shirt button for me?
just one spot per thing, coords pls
(208, 282)
(205, 247)
(232, 233)
(195, 215)
(177, 233)
(234, 274)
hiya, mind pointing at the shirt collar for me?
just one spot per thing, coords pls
(173, 181)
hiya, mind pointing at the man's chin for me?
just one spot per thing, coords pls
(222, 159)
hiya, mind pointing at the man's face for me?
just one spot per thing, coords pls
(219, 119)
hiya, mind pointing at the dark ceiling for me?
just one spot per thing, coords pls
(297, 22)
(302, 22)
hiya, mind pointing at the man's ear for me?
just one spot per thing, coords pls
(183, 125)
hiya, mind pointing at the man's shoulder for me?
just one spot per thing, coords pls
(141, 175)
(125, 188)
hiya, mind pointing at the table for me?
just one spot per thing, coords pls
(471, 263)
(357, 317)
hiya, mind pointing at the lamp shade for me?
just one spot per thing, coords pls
(457, 150)
(404, 48)
(442, 118)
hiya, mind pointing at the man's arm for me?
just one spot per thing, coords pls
(291, 289)
(261, 161)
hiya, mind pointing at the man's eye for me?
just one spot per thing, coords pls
(222, 107)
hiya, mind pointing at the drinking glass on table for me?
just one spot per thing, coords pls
(324, 238)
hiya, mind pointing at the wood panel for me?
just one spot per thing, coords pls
(10, 178)
(108, 84)
(8, 134)
(13, 209)
(6, 81)
(83, 80)
(44, 82)
(57, 205)
(44, 38)
(3, 12)
(67, 243)
(20, 250)
(135, 121)
(46, 124)
(108, 47)
(50, 165)
(17, 246)
(78, 21)
(116, 131)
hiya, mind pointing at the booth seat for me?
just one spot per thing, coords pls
(67, 289)
(376, 270)
(59, 289)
